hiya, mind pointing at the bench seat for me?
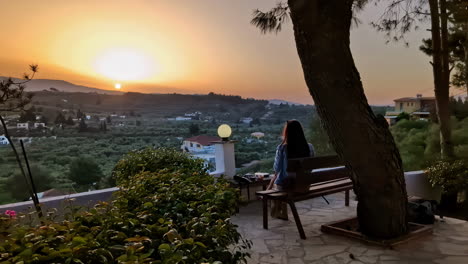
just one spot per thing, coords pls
(324, 182)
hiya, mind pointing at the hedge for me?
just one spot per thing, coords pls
(164, 212)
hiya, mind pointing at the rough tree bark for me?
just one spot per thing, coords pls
(362, 140)
(441, 71)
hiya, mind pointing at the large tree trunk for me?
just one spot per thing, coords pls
(440, 66)
(362, 140)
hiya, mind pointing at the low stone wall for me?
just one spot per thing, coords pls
(417, 184)
(85, 199)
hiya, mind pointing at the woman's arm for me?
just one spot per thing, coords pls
(276, 166)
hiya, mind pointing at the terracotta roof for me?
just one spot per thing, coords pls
(203, 140)
(413, 99)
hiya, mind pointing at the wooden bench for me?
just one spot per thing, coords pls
(312, 177)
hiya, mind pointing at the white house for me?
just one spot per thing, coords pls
(4, 140)
(202, 147)
(88, 117)
(199, 144)
(22, 125)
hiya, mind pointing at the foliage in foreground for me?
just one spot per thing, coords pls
(164, 216)
(451, 176)
(418, 142)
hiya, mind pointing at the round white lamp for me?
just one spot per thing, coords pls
(224, 132)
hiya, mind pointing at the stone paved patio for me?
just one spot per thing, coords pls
(281, 243)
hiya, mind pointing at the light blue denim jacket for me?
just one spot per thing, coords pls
(281, 163)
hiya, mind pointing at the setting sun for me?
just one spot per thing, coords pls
(118, 86)
(125, 65)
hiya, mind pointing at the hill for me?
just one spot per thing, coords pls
(222, 107)
(61, 86)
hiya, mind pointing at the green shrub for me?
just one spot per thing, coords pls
(84, 171)
(167, 216)
(18, 188)
(451, 176)
(154, 160)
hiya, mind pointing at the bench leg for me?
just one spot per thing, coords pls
(265, 212)
(347, 198)
(297, 219)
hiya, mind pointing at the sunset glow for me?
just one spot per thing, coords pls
(118, 86)
(148, 46)
(124, 65)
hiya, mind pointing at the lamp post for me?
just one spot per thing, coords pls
(224, 132)
(224, 153)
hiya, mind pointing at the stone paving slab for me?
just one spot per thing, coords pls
(281, 244)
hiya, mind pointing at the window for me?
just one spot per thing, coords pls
(198, 146)
(401, 106)
(191, 145)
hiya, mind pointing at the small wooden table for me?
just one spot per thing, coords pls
(264, 183)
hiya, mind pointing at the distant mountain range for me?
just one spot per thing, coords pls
(61, 86)
(37, 85)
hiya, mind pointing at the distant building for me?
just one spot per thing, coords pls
(246, 120)
(183, 118)
(415, 104)
(194, 114)
(39, 125)
(4, 140)
(199, 144)
(22, 125)
(88, 117)
(202, 147)
(419, 108)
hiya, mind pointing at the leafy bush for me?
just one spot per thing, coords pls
(154, 160)
(451, 176)
(18, 188)
(84, 171)
(167, 216)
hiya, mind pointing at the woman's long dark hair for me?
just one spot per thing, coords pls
(293, 137)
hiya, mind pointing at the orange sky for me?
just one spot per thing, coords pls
(191, 47)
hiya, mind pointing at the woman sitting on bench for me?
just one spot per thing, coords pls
(294, 145)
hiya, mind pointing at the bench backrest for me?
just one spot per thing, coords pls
(313, 170)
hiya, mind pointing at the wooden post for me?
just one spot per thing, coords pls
(265, 212)
(297, 219)
(347, 197)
